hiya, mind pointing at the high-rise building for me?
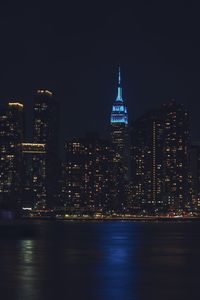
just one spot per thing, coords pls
(11, 137)
(34, 175)
(160, 149)
(45, 131)
(120, 142)
(194, 176)
(175, 156)
(87, 174)
(146, 162)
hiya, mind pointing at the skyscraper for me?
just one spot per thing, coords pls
(175, 155)
(34, 175)
(159, 151)
(146, 162)
(194, 176)
(11, 137)
(120, 141)
(45, 131)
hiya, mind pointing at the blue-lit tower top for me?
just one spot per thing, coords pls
(119, 112)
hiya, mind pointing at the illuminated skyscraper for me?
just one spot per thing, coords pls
(194, 176)
(11, 137)
(146, 162)
(160, 151)
(34, 175)
(45, 131)
(120, 141)
(175, 155)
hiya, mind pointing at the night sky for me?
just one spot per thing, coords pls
(74, 48)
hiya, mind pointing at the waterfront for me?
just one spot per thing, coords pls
(102, 260)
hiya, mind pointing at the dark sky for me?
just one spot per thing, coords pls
(73, 48)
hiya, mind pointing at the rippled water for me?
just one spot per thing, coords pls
(102, 260)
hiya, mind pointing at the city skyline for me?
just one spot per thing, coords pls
(46, 48)
(147, 168)
(103, 131)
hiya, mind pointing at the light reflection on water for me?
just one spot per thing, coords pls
(27, 270)
(100, 261)
(118, 268)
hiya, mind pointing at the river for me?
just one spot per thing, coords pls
(119, 260)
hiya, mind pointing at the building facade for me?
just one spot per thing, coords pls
(34, 175)
(87, 173)
(120, 141)
(46, 131)
(146, 162)
(194, 176)
(11, 137)
(160, 152)
(175, 156)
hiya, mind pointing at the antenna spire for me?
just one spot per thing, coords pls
(119, 89)
(119, 78)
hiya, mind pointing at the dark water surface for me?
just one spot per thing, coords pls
(102, 260)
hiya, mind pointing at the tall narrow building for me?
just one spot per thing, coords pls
(194, 176)
(34, 172)
(120, 141)
(45, 131)
(11, 137)
(146, 162)
(176, 125)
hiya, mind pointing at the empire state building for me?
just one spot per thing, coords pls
(119, 132)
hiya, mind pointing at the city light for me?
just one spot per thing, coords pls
(16, 104)
(145, 171)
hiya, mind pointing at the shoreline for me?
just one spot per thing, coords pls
(134, 219)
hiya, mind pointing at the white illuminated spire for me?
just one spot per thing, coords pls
(119, 89)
